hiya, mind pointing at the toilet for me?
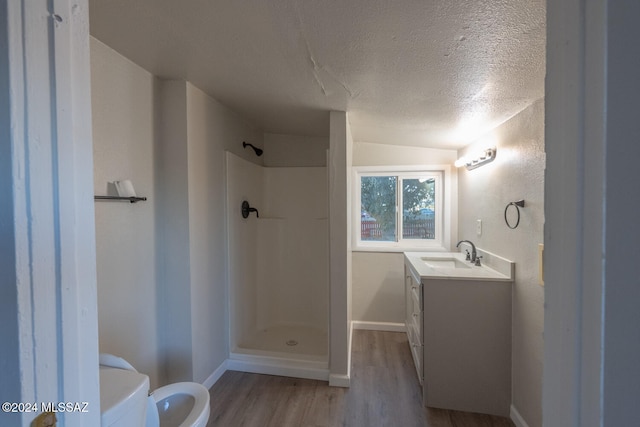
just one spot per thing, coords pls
(125, 400)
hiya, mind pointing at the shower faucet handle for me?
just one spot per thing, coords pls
(246, 209)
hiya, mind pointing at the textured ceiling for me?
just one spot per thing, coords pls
(432, 73)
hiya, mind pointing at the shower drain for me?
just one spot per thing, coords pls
(292, 342)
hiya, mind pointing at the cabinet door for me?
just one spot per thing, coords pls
(414, 319)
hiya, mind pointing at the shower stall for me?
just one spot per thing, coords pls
(278, 269)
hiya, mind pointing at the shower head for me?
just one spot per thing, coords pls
(256, 149)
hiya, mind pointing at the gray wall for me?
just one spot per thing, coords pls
(517, 173)
(592, 344)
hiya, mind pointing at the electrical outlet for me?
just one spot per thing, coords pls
(479, 227)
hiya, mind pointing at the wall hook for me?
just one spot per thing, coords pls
(246, 210)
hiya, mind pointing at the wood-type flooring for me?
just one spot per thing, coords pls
(384, 392)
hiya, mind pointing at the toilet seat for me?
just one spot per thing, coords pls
(199, 414)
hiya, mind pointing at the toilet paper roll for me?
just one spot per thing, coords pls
(125, 188)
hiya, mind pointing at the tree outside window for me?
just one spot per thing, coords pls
(378, 198)
(381, 195)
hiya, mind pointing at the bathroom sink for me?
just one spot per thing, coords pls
(452, 266)
(445, 263)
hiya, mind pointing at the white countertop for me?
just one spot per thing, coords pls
(499, 270)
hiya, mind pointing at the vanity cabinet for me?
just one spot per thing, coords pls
(459, 330)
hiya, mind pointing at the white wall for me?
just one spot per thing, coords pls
(278, 264)
(212, 129)
(244, 182)
(172, 233)
(123, 97)
(295, 150)
(340, 158)
(378, 295)
(378, 277)
(196, 132)
(293, 237)
(517, 173)
(373, 154)
(162, 263)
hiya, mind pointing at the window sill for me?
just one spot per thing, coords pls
(398, 249)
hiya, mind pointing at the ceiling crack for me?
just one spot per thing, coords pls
(316, 67)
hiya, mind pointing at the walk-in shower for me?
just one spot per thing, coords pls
(278, 269)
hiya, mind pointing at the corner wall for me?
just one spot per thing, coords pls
(517, 173)
(212, 130)
(162, 280)
(123, 98)
(340, 159)
(197, 131)
(172, 234)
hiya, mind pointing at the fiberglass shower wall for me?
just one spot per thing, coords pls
(278, 262)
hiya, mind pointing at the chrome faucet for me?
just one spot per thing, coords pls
(473, 249)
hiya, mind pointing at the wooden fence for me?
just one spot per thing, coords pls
(415, 229)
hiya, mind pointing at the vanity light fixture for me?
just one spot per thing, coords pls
(478, 159)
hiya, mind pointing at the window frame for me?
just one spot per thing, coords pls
(442, 210)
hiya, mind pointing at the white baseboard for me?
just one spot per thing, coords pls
(379, 326)
(344, 380)
(336, 380)
(215, 376)
(517, 418)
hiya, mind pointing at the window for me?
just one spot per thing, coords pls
(400, 209)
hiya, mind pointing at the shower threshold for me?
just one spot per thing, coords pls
(285, 350)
